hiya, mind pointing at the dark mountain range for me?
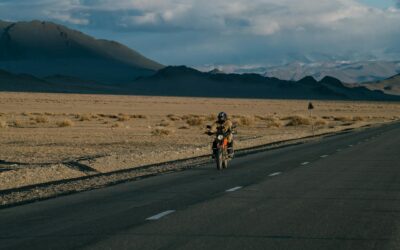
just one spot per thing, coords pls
(12, 82)
(55, 84)
(184, 81)
(44, 48)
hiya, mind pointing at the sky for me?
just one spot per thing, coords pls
(230, 32)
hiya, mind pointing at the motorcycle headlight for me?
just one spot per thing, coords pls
(220, 137)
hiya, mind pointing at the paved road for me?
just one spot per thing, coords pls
(342, 192)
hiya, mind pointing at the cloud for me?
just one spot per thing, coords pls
(260, 17)
(227, 30)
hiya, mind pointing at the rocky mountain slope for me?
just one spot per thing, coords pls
(44, 48)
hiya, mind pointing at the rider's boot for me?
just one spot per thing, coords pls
(214, 149)
(214, 153)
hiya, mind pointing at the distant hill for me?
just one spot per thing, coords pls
(55, 84)
(389, 86)
(44, 48)
(12, 82)
(349, 72)
(216, 71)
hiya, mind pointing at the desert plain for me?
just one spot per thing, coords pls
(48, 137)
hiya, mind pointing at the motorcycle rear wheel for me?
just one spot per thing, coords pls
(225, 160)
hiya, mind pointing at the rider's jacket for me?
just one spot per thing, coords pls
(226, 127)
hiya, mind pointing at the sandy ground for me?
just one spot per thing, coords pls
(47, 137)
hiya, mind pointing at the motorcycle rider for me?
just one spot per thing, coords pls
(227, 127)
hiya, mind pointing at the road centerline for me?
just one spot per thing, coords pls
(275, 174)
(160, 215)
(233, 189)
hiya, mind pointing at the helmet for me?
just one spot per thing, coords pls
(222, 117)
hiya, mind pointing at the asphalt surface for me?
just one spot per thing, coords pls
(342, 192)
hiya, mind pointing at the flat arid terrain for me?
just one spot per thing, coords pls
(48, 137)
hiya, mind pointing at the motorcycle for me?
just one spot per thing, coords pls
(220, 152)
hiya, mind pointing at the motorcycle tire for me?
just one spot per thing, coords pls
(219, 160)
(225, 163)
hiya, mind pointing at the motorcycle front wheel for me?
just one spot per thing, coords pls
(219, 159)
(225, 160)
(225, 164)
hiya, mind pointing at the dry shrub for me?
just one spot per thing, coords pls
(85, 117)
(25, 114)
(161, 132)
(41, 119)
(185, 126)
(18, 124)
(267, 118)
(347, 123)
(111, 116)
(320, 122)
(344, 118)
(186, 117)
(195, 121)
(173, 117)
(164, 123)
(270, 120)
(297, 120)
(211, 117)
(244, 121)
(65, 123)
(124, 118)
(117, 125)
(49, 114)
(3, 124)
(139, 116)
(358, 118)
(273, 122)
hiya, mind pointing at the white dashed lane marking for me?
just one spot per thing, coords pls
(305, 163)
(324, 156)
(275, 174)
(233, 189)
(160, 215)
